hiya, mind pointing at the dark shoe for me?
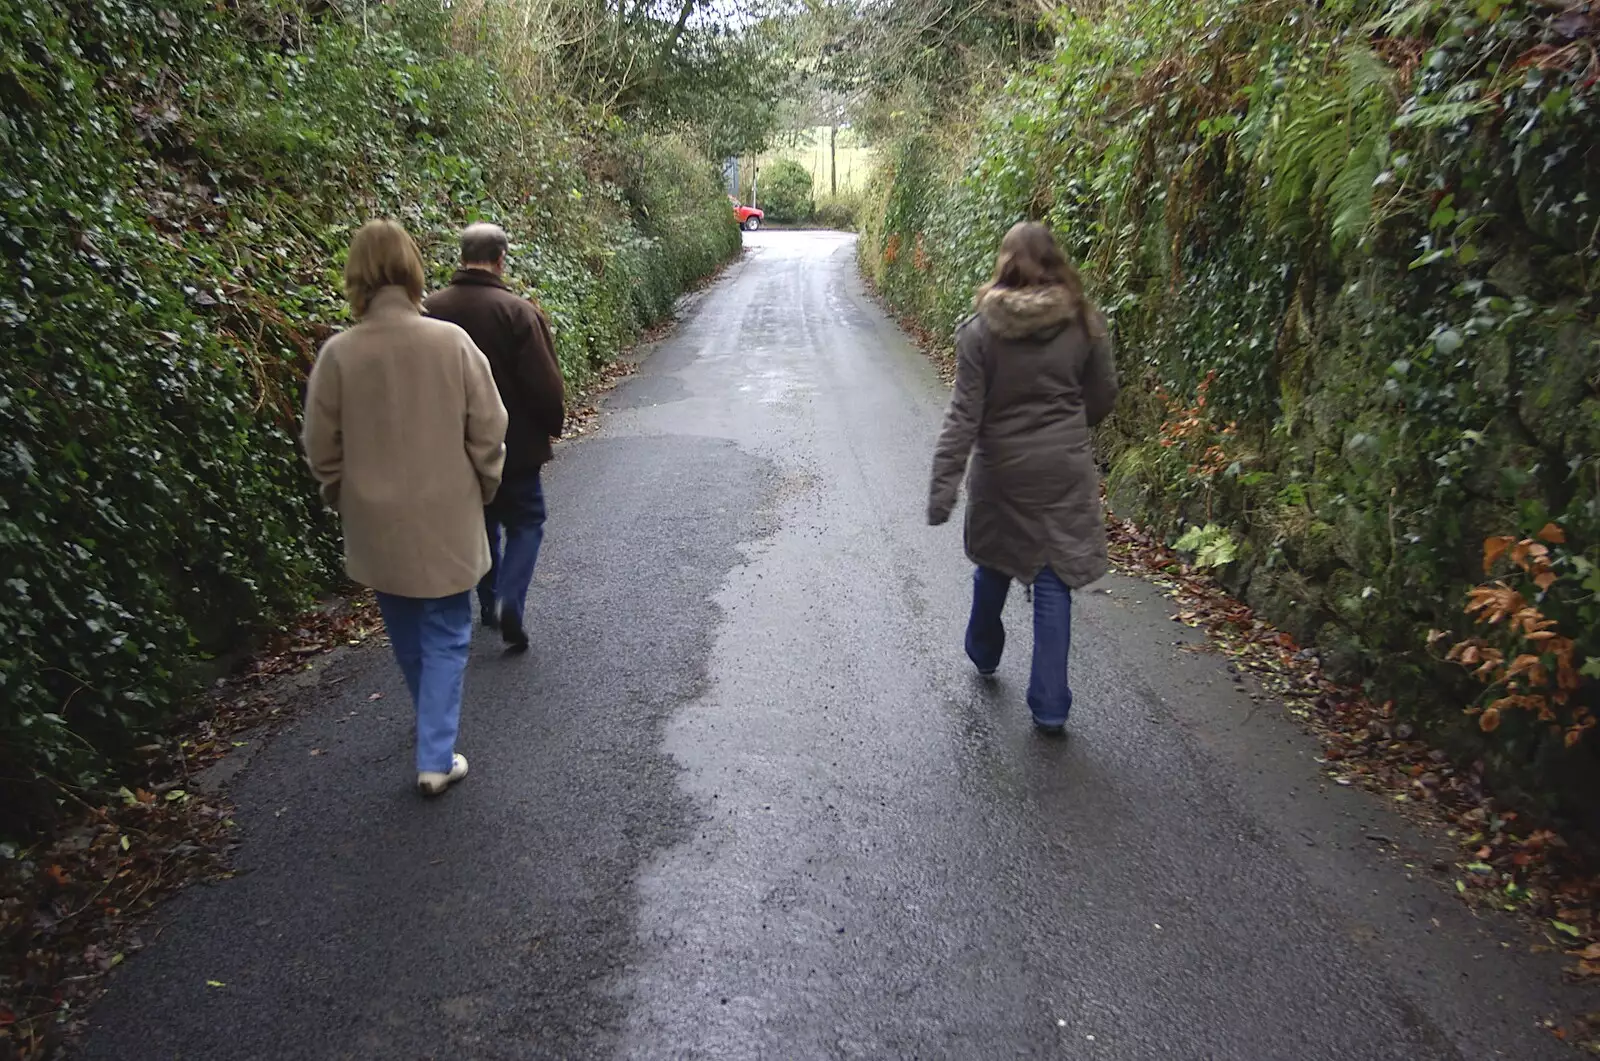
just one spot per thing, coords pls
(486, 617)
(516, 638)
(1050, 729)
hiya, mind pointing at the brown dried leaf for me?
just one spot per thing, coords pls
(1553, 534)
(1493, 549)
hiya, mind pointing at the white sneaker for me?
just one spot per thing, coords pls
(433, 783)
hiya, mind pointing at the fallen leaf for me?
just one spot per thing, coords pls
(1553, 534)
(375, 696)
(215, 983)
(1571, 930)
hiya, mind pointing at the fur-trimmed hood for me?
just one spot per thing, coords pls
(1023, 312)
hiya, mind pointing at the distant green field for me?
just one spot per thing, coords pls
(853, 159)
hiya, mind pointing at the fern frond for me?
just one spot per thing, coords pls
(1365, 74)
(1325, 144)
(1350, 195)
(1440, 115)
(1405, 17)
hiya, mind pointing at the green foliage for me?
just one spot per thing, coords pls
(1212, 546)
(837, 211)
(785, 191)
(1369, 226)
(178, 187)
(710, 74)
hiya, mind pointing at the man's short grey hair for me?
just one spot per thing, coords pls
(483, 242)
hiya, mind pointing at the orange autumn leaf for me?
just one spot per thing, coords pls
(1553, 534)
(1526, 664)
(1494, 603)
(1532, 621)
(1489, 721)
(1493, 549)
(1544, 579)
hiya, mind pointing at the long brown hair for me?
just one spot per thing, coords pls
(1029, 257)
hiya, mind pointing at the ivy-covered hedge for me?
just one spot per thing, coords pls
(177, 184)
(1351, 253)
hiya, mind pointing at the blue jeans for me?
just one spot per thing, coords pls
(1049, 696)
(518, 512)
(430, 637)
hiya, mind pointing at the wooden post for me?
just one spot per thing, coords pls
(833, 161)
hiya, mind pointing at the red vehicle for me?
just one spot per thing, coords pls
(748, 217)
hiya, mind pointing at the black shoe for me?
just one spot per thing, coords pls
(516, 638)
(486, 617)
(1050, 729)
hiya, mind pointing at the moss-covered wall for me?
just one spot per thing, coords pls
(1350, 253)
(178, 183)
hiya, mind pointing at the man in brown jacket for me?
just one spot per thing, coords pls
(515, 336)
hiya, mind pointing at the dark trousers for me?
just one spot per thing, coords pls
(516, 515)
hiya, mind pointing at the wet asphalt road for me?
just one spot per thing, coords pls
(746, 800)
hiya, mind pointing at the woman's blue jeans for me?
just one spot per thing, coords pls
(1049, 696)
(431, 638)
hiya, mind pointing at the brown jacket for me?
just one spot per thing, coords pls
(1032, 378)
(405, 432)
(514, 335)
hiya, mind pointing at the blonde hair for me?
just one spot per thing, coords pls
(382, 254)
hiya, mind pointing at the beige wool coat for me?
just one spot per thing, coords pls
(1032, 377)
(406, 433)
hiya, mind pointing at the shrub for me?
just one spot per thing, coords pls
(785, 192)
(837, 212)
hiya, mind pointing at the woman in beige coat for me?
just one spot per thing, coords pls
(405, 432)
(1034, 374)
